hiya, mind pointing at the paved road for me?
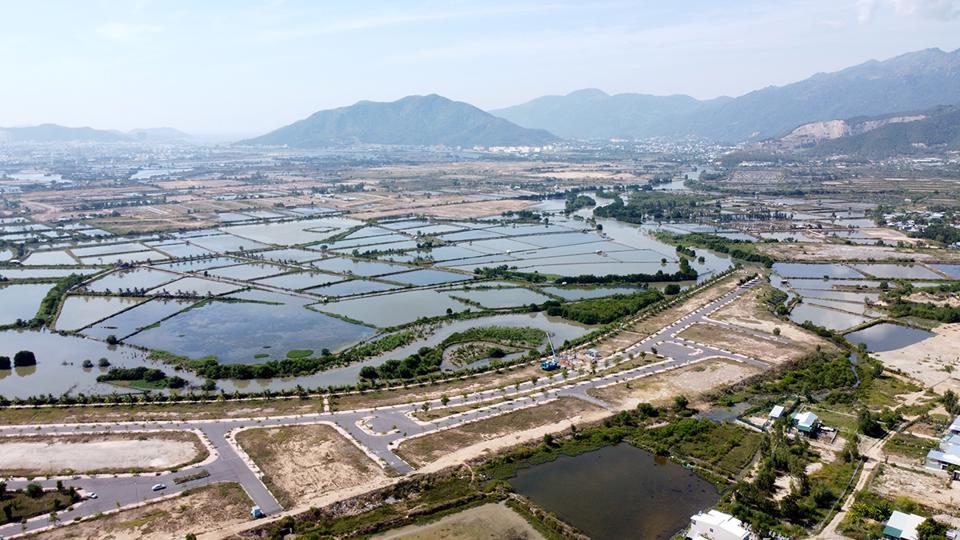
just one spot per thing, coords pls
(376, 431)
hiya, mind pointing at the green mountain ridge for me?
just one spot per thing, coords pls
(413, 121)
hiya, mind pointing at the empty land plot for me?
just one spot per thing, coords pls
(928, 488)
(303, 463)
(492, 520)
(485, 381)
(933, 361)
(430, 448)
(730, 339)
(691, 381)
(785, 251)
(159, 411)
(115, 453)
(202, 510)
(651, 325)
(749, 312)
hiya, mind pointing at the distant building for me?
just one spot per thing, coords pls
(807, 423)
(902, 526)
(954, 428)
(776, 412)
(715, 525)
(948, 452)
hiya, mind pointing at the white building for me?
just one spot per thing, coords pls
(954, 428)
(776, 412)
(715, 525)
(902, 526)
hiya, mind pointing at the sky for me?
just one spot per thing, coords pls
(244, 67)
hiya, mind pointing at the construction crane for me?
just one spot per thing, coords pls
(551, 363)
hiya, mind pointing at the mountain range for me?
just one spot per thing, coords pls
(413, 120)
(932, 131)
(53, 133)
(913, 81)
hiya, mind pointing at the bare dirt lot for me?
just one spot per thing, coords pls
(728, 338)
(927, 488)
(854, 252)
(304, 463)
(749, 312)
(204, 510)
(692, 381)
(648, 325)
(495, 433)
(933, 361)
(487, 522)
(37, 456)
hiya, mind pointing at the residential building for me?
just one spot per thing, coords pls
(807, 423)
(902, 526)
(715, 525)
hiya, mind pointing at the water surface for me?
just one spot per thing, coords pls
(618, 492)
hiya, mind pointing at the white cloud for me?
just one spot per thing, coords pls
(119, 31)
(939, 10)
(384, 20)
(930, 9)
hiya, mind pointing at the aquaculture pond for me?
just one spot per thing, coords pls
(59, 366)
(559, 329)
(618, 492)
(897, 271)
(80, 311)
(826, 317)
(235, 332)
(21, 301)
(888, 337)
(138, 278)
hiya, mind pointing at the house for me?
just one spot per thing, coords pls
(776, 412)
(715, 525)
(954, 428)
(947, 454)
(807, 423)
(902, 526)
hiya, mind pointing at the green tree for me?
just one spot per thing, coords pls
(34, 490)
(868, 425)
(931, 529)
(5, 362)
(24, 358)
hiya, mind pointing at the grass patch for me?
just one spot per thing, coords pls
(18, 505)
(909, 446)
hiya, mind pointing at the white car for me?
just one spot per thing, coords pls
(158, 487)
(92, 495)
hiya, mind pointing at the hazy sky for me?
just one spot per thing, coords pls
(243, 67)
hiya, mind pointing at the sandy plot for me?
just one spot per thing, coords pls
(204, 510)
(466, 210)
(951, 300)
(845, 252)
(927, 488)
(748, 312)
(99, 453)
(489, 521)
(728, 338)
(456, 445)
(650, 325)
(691, 381)
(934, 361)
(304, 463)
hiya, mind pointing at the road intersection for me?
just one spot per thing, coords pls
(376, 431)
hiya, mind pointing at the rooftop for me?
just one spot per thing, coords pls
(901, 525)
